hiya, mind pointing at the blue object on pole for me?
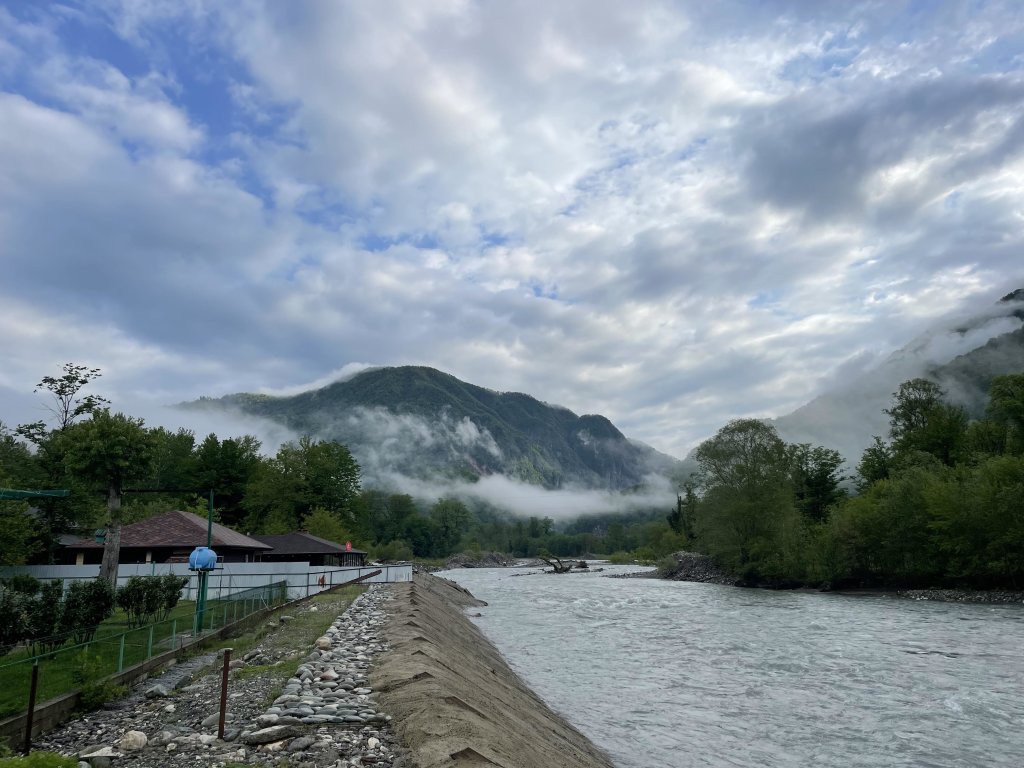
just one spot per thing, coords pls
(202, 559)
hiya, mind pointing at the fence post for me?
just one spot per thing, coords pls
(31, 706)
(149, 647)
(174, 633)
(120, 655)
(224, 693)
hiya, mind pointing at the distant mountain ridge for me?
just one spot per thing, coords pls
(962, 359)
(422, 423)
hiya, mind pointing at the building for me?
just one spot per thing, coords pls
(169, 538)
(304, 547)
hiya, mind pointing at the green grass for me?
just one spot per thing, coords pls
(68, 668)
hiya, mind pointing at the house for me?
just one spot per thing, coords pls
(303, 547)
(169, 538)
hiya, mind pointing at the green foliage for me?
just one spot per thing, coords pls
(66, 405)
(45, 617)
(39, 760)
(919, 421)
(303, 476)
(150, 598)
(395, 550)
(86, 605)
(326, 525)
(89, 675)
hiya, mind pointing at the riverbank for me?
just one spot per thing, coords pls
(398, 679)
(453, 698)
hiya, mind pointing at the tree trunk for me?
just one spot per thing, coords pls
(112, 543)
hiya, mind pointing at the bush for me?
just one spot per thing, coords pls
(144, 598)
(15, 608)
(44, 621)
(86, 604)
(22, 583)
(89, 675)
(394, 550)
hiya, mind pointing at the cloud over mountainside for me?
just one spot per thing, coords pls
(668, 213)
(962, 356)
(421, 430)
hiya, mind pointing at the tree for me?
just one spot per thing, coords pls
(66, 405)
(919, 420)
(875, 464)
(326, 525)
(1006, 407)
(816, 479)
(747, 518)
(450, 518)
(110, 450)
(301, 477)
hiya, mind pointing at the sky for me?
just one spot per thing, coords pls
(669, 213)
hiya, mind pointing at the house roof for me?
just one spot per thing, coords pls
(302, 543)
(176, 529)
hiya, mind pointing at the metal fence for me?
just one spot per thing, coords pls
(115, 647)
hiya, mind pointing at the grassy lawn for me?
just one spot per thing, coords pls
(66, 668)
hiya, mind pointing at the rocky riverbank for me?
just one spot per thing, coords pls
(322, 715)
(454, 700)
(693, 566)
(401, 679)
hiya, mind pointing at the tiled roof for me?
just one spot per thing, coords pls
(176, 529)
(302, 543)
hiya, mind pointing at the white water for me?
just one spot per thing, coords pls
(661, 673)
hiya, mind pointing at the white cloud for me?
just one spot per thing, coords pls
(669, 215)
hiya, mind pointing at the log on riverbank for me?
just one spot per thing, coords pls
(454, 700)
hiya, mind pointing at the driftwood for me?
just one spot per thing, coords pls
(560, 566)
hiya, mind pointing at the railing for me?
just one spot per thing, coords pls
(69, 668)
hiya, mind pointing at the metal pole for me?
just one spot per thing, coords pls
(224, 693)
(209, 522)
(31, 706)
(149, 647)
(120, 656)
(174, 631)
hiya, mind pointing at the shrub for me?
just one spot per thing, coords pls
(22, 583)
(15, 608)
(144, 598)
(45, 616)
(170, 592)
(86, 604)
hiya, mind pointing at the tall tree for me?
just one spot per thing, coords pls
(1006, 407)
(920, 420)
(110, 450)
(67, 403)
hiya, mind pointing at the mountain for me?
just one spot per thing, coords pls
(421, 423)
(961, 357)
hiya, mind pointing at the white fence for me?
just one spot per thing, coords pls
(303, 579)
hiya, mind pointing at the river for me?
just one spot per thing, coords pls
(665, 673)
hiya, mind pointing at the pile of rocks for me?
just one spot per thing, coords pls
(963, 595)
(324, 716)
(693, 566)
(479, 560)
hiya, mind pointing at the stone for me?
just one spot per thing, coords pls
(269, 735)
(157, 692)
(372, 742)
(230, 734)
(133, 741)
(301, 743)
(323, 643)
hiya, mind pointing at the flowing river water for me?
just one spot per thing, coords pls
(665, 673)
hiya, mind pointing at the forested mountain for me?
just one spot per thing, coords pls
(962, 359)
(422, 423)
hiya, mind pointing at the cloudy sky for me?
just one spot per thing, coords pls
(669, 213)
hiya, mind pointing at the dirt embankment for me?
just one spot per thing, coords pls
(454, 700)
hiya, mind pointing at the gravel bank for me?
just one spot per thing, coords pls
(401, 679)
(454, 700)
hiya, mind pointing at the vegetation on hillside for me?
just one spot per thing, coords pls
(941, 503)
